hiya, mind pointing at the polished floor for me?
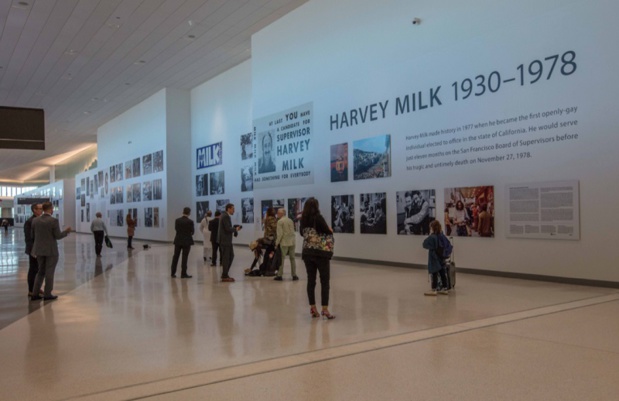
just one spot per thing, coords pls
(122, 329)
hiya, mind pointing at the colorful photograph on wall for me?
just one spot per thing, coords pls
(136, 167)
(373, 213)
(372, 157)
(202, 185)
(247, 178)
(247, 205)
(201, 208)
(147, 164)
(217, 183)
(343, 214)
(157, 189)
(247, 146)
(158, 161)
(469, 211)
(415, 210)
(129, 169)
(339, 162)
(147, 191)
(220, 205)
(148, 217)
(295, 210)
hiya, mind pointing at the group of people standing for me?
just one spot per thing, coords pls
(42, 232)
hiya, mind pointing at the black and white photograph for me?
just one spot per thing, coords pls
(201, 209)
(136, 167)
(202, 185)
(266, 154)
(372, 157)
(82, 200)
(88, 186)
(129, 169)
(158, 161)
(156, 220)
(119, 172)
(247, 178)
(100, 175)
(119, 194)
(247, 205)
(343, 214)
(134, 214)
(147, 191)
(247, 146)
(96, 185)
(217, 183)
(129, 193)
(106, 185)
(147, 164)
(373, 213)
(339, 162)
(415, 211)
(137, 192)
(88, 212)
(157, 189)
(276, 204)
(148, 217)
(113, 196)
(220, 205)
(112, 174)
(82, 210)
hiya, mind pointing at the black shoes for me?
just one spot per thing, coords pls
(50, 298)
(173, 275)
(186, 276)
(278, 278)
(295, 278)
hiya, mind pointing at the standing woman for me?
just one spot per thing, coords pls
(316, 258)
(131, 223)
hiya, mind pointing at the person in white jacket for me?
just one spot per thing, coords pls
(206, 233)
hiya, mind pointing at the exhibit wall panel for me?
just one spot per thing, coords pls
(60, 193)
(477, 95)
(131, 175)
(221, 112)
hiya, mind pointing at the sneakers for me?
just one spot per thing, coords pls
(443, 292)
(278, 278)
(431, 293)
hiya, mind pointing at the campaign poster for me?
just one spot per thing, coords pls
(339, 162)
(343, 214)
(469, 211)
(372, 157)
(283, 146)
(415, 211)
(209, 156)
(373, 213)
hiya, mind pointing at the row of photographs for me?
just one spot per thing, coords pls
(117, 217)
(150, 163)
(468, 211)
(371, 159)
(137, 192)
(214, 183)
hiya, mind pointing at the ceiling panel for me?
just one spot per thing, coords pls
(74, 58)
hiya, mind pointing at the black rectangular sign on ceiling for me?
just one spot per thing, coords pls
(22, 128)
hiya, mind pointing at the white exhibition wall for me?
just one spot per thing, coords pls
(542, 80)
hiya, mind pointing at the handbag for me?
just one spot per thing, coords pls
(108, 242)
(316, 244)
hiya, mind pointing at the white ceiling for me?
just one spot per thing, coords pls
(87, 61)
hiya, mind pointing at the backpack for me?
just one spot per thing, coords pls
(445, 248)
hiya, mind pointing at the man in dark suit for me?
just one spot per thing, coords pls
(182, 242)
(224, 238)
(46, 232)
(33, 268)
(213, 227)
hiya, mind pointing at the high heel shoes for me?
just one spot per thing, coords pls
(314, 312)
(326, 315)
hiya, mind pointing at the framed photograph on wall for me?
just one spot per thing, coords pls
(247, 178)
(220, 205)
(339, 162)
(158, 161)
(247, 205)
(247, 146)
(147, 191)
(202, 185)
(469, 211)
(136, 167)
(372, 157)
(343, 214)
(373, 213)
(128, 169)
(157, 189)
(201, 208)
(295, 210)
(415, 211)
(147, 164)
(217, 183)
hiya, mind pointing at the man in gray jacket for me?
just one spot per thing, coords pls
(46, 232)
(224, 238)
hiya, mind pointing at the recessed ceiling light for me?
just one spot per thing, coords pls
(87, 112)
(94, 99)
(71, 52)
(113, 25)
(140, 62)
(191, 37)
